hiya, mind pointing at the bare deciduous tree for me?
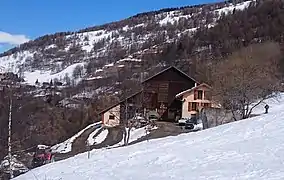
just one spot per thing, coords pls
(78, 71)
(247, 78)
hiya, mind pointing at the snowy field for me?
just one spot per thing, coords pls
(247, 149)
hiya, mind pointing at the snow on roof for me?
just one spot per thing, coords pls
(109, 65)
(93, 78)
(99, 70)
(129, 59)
(41, 146)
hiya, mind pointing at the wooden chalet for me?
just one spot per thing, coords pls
(158, 93)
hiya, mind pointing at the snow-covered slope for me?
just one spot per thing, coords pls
(247, 149)
(56, 56)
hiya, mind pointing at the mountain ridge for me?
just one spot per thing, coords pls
(108, 43)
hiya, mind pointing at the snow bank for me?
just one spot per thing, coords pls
(99, 138)
(137, 134)
(66, 146)
(247, 149)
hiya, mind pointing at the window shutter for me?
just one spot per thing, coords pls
(189, 106)
(195, 95)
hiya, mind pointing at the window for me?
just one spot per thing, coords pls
(207, 105)
(199, 94)
(192, 106)
(111, 117)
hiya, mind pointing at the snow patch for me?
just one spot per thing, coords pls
(12, 62)
(66, 146)
(93, 78)
(91, 138)
(231, 7)
(51, 46)
(109, 65)
(89, 38)
(136, 134)
(101, 137)
(99, 70)
(16, 165)
(46, 76)
(129, 60)
(172, 17)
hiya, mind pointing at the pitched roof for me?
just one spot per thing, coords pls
(174, 68)
(105, 110)
(191, 89)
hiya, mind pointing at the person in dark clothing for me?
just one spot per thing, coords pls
(266, 108)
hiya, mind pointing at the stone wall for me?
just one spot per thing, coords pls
(212, 117)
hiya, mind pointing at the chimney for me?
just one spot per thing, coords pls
(195, 84)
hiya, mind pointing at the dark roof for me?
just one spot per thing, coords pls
(105, 110)
(167, 69)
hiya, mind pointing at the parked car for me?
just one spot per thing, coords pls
(153, 116)
(188, 123)
(182, 121)
(139, 119)
(42, 155)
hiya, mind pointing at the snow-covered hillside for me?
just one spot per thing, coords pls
(56, 56)
(247, 149)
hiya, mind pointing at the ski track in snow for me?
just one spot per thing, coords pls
(247, 149)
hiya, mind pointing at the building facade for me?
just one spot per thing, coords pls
(195, 99)
(158, 94)
(160, 91)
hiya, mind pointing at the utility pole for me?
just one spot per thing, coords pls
(9, 138)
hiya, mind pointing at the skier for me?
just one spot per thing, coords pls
(266, 108)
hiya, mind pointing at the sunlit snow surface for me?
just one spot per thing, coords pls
(247, 149)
